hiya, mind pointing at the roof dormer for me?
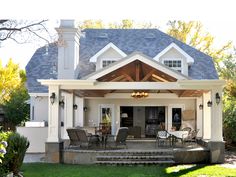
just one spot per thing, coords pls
(107, 55)
(176, 58)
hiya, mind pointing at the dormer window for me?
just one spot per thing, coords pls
(175, 63)
(107, 62)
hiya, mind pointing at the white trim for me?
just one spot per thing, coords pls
(190, 60)
(38, 94)
(104, 49)
(175, 59)
(131, 58)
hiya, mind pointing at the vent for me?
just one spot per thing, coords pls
(150, 36)
(103, 36)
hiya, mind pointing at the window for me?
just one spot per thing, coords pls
(174, 64)
(107, 62)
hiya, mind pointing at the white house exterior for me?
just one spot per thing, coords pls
(97, 70)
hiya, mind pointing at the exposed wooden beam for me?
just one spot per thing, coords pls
(159, 78)
(118, 78)
(137, 71)
(148, 75)
(128, 77)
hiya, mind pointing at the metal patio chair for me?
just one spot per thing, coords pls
(163, 137)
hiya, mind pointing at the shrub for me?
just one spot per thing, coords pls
(17, 146)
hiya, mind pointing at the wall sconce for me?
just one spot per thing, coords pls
(200, 106)
(75, 106)
(209, 103)
(62, 103)
(85, 109)
(217, 98)
(52, 97)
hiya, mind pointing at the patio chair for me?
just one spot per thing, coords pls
(186, 129)
(86, 139)
(162, 136)
(74, 138)
(119, 138)
(79, 137)
(192, 136)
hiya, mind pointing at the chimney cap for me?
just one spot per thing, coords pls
(67, 23)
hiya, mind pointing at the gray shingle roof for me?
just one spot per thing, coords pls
(148, 41)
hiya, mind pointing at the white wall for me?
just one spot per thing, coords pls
(37, 137)
(39, 108)
(93, 106)
(173, 53)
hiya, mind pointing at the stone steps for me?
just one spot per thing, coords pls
(135, 157)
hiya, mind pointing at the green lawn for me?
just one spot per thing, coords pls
(62, 170)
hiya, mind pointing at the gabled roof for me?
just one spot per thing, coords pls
(190, 60)
(132, 57)
(148, 41)
(107, 47)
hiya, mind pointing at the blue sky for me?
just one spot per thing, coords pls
(218, 17)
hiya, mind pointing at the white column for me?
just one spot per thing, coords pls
(206, 116)
(80, 111)
(54, 122)
(169, 118)
(68, 113)
(199, 112)
(216, 116)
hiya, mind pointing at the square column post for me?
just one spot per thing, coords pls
(206, 116)
(80, 111)
(68, 113)
(216, 143)
(54, 144)
(199, 117)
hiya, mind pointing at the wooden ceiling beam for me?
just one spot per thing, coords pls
(159, 78)
(148, 75)
(137, 71)
(118, 78)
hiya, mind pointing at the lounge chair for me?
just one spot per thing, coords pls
(79, 137)
(120, 137)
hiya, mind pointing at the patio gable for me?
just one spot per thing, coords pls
(136, 68)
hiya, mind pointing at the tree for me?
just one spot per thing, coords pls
(16, 108)
(123, 24)
(192, 33)
(9, 80)
(22, 30)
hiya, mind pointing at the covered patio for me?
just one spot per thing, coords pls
(114, 87)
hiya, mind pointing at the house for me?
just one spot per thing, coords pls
(128, 77)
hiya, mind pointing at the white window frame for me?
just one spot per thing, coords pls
(107, 59)
(174, 59)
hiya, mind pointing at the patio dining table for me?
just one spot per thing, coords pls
(177, 135)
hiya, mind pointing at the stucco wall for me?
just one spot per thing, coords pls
(93, 113)
(39, 108)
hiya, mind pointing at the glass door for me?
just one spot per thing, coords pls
(107, 116)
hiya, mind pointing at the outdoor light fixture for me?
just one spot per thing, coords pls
(139, 94)
(200, 106)
(75, 106)
(209, 103)
(85, 109)
(217, 98)
(52, 97)
(62, 103)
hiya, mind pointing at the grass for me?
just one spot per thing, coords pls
(63, 170)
